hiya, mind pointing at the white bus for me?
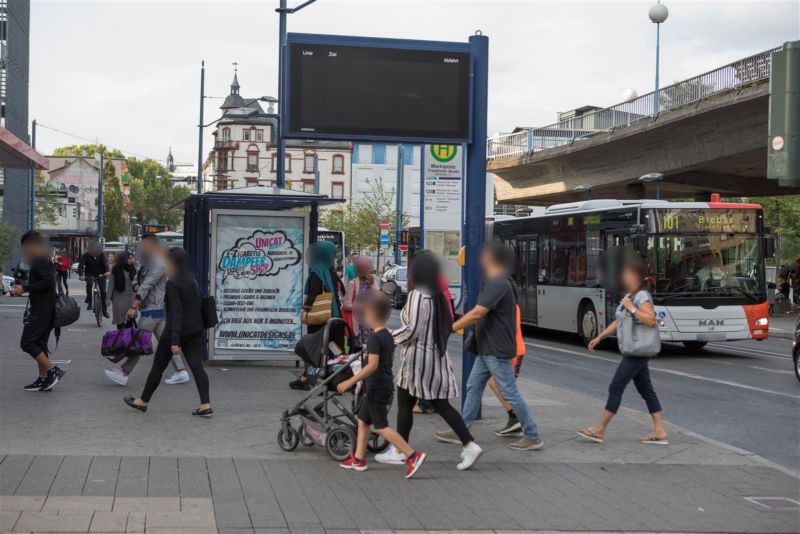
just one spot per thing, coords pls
(705, 265)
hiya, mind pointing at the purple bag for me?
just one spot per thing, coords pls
(128, 341)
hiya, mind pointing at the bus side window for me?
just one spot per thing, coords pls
(544, 260)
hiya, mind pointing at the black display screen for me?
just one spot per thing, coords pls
(363, 92)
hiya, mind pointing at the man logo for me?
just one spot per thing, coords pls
(711, 322)
(443, 153)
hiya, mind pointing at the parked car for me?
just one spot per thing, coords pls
(796, 349)
(8, 281)
(394, 284)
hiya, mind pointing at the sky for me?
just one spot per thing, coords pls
(127, 73)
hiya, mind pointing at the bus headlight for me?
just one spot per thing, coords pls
(661, 323)
(763, 321)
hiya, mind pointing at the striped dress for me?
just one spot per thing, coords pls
(424, 373)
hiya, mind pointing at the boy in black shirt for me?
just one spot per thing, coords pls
(379, 384)
(38, 320)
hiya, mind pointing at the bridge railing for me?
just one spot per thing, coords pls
(740, 73)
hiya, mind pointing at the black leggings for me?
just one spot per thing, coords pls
(61, 278)
(405, 415)
(192, 347)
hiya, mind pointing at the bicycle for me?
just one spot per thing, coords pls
(97, 300)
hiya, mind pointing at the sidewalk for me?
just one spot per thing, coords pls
(78, 460)
(782, 326)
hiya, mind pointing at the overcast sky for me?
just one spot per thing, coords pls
(127, 72)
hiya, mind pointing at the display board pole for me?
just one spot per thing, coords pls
(475, 190)
(398, 213)
(421, 239)
(280, 177)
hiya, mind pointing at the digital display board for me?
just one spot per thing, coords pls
(700, 220)
(377, 89)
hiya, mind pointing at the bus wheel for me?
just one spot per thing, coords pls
(587, 324)
(694, 345)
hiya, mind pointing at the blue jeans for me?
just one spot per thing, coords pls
(632, 368)
(503, 373)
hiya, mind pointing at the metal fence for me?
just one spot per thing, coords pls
(735, 75)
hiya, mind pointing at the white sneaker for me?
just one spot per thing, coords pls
(391, 456)
(469, 455)
(179, 377)
(117, 376)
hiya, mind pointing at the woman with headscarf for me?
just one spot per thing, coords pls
(359, 291)
(425, 370)
(322, 278)
(120, 287)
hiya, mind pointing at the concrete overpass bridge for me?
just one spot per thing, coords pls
(709, 136)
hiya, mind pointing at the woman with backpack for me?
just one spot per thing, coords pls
(638, 304)
(183, 333)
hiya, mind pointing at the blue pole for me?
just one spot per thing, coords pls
(421, 241)
(475, 190)
(398, 212)
(280, 177)
(200, 128)
(100, 197)
(655, 94)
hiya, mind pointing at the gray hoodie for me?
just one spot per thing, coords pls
(152, 280)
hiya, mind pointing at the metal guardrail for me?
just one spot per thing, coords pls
(740, 73)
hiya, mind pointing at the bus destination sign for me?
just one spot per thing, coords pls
(715, 220)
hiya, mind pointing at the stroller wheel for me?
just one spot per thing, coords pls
(376, 443)
(305, 439)
(288, 438)
(341, 441)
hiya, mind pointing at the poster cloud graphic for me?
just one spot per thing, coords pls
(260, 254)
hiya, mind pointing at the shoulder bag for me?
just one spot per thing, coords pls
(638, 339)
(320, 310)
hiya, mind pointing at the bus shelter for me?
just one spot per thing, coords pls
(247, 246)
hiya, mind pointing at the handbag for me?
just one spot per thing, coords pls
(637, 339)
(208, 311)
(67, 310)
(320, 310)
(127, 341)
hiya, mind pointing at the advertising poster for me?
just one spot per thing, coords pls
(258, 274)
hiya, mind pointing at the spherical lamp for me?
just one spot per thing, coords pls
(658, 13)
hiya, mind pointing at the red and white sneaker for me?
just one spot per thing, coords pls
(354, 463)
(414, 462)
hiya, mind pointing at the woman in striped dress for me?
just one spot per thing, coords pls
(425, 370)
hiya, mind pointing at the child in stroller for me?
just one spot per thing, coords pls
(321, 416)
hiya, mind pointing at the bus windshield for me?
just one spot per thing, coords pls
(708, 265)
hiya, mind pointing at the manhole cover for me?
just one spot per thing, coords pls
(775, 503)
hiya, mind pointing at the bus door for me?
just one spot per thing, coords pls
(616, 238)
(529, 253)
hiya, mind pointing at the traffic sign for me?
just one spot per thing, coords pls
(403, 248)
(384, 224)
(384, 240)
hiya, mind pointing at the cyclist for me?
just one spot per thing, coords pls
(94, 264)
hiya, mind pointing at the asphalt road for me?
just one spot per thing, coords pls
(743, 393)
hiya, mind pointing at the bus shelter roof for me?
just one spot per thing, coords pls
(256, 197)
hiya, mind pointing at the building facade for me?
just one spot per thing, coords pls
(244, 152)
(375, 164)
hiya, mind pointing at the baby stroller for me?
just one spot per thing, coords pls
(321, 415)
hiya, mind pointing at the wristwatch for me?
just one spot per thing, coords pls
(635, 309)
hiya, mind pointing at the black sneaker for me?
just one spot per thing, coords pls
(513, 428)
(36, 386)
(53, 376)
(299, 384)
(106, 315)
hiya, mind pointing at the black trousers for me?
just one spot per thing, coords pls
(61, 277)
(192, 347)
(405, 415)
(101, 284)
(36, 332)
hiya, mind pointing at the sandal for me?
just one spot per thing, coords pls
(130, 402)
(588, 434)
(651, 439)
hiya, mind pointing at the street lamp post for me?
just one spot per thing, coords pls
(584, 189)
(654, 177)
(200, 129)
(658, 14)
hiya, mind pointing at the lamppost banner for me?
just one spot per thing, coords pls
(258, 283)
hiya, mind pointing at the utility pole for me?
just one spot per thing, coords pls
(100, 196)
(200, 129)
(398, 212)
(32, 182)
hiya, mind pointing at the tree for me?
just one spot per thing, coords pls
(113, 205)
(89, 150)
(782, 214)
(360, 221)
(9, 234)
(48, 204)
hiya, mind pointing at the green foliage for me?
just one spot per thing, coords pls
(360, 221)
(782, 214)
(48, 202)
(113, 210)
(90, 150)
(9, 239)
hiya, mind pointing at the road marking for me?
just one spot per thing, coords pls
(750, 351)
(779, 371)
(671, 371)
(12, 305)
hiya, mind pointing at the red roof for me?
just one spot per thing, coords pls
(17, 154)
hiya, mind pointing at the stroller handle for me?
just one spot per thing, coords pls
(327, 333)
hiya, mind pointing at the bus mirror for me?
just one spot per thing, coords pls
(769, 246)
(640, 242)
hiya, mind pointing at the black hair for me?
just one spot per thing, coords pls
(632, 260)
(31, 235)
(380, 307)
(500, 254)
(424, 271)
(180, 258)
(119, 269)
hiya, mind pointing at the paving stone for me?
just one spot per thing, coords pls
(147, 504)
(102, 477)
(259, 497)
(58, 503)
(187, 530)
(40, 475)
(12, 470)
(192, 518)
(230, 508)
(46, 522)
(163, 477)
(8, 519)
(22, 503)
(71, 476)
(109, 522)
(133, 475)
(136, 521)
(193, 477)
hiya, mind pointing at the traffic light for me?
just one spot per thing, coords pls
(783, 152)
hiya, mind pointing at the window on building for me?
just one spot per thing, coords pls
(408, 155)
(308, 163)
(337, 190)
(379, 154)
(308, 186)
(251, 181)
(222, 163)
(259, 135)
(226, 134)
(338, 164)
(252, 161)
(246, 135)
(287, 163)
(355, 153)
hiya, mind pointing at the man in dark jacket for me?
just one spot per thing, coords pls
(94, 264)
(38, 320)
